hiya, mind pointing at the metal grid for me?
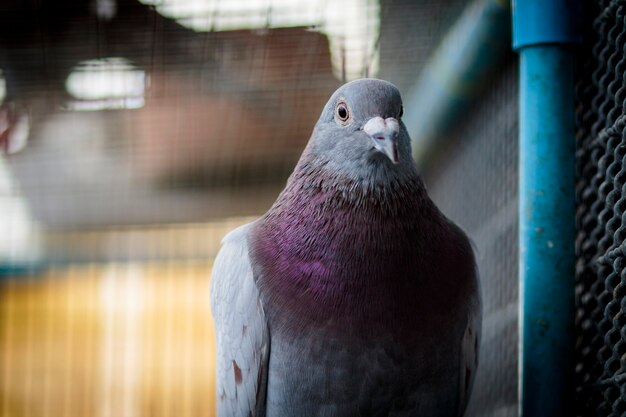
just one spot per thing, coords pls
(473, 181)
(601, 192)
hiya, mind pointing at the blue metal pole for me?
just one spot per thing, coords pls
(543, 34)
(546, 231)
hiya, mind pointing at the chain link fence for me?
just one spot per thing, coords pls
(601, 221)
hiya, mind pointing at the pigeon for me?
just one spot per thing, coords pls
(353, 295)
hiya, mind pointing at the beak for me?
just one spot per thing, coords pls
(384, 134)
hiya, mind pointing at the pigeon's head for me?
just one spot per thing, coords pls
(361, 128)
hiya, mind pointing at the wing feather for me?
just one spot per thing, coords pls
(470, 346)
(241, 330)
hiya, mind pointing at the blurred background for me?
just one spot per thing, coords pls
(135, 133)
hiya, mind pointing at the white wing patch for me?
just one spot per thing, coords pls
(241, 330)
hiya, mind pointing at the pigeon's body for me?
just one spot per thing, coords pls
(362, 295)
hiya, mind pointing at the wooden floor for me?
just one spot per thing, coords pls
(123, 340)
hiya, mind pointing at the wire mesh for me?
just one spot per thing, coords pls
(601, 173)
(132, 202)
(112, 210)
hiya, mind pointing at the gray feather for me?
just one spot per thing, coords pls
(370, 293)
(241, 330)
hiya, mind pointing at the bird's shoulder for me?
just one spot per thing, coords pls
(238, 235)
(231, 268)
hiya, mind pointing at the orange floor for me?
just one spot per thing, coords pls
(120, 340)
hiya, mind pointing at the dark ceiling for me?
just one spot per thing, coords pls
(224, 118)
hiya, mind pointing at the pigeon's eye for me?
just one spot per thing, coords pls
(342, 112)
(401, 112)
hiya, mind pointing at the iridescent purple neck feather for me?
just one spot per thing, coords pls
(331, 242)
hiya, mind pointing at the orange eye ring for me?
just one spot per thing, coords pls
(342, 113)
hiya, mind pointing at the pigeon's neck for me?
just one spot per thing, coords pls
(332, 241)
(382, 187)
